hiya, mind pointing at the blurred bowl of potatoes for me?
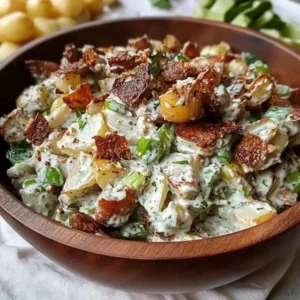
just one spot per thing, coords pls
(22, 21)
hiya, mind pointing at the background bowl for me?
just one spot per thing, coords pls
(137, 266)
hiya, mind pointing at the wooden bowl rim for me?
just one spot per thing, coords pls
(142, 250)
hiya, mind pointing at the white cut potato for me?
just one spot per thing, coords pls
(95, 107)
(45, 26)
(12, 126)
(65, 22)
(41, 8)
(66, 82)
(68, 8)
(236, 67)
(211, 50)
(155, 193)
(9, 6)
(16, 27)
(7, 48)
(81, 175)
(84, 16)
(83, 137)
(51, 143)
(94, 5)
(106, 171)
(58, 116)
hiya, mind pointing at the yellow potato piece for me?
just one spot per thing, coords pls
(7, 48)
(57, 103)
(9, 6)
(106, 171)
(66, 81)
(65, 22)
(44, 26)
(264, 218)
(41, 8)
(16, 27)
(68, 8)
(84, 16)
(81, 175)
(58, 116)
(95, 5)
(95, 107)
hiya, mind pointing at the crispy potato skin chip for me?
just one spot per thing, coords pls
(251, 151)
(106, 209)
(123, 62)
(191, 50)
(83, 222)
(80, 98)
(130, 88)
(140, 43)
(204, 134)
(37, 130)
(72, 53)
(112, 147)
(90, 57)
(41, 68)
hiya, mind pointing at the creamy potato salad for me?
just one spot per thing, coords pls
(155, 141)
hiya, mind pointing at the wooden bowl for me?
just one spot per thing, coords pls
(137, 266)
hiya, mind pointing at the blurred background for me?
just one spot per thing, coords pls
(21, 21)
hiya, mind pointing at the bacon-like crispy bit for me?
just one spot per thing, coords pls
(178, 70)
(123, 62)
(100, 98)
(108, 211)
(190, 49)
(251, 151)
(77, 67)
(129, 88)
(226, 80)
(72, 53)
(80, 98)
(157, 87)
(295, 115)
(210, 79)
(140, 43)
(204, 134)
(90, 57)
(277, 101)
(112, 147)
(83, 222)
(41, 68)
(37, 130)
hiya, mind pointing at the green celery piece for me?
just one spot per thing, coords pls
(278, 113)
(144, 146)
(224, 156)
(28, 182)
(291, 31)
(218, 10)
(293, 180)
(166, 136)
(181, 162)
(16, 154)
(262, 20)
(51, 176)
(283, 91)
(134, 180)
(258, 9)
(234, 11)
(294, 43)
(207, 3)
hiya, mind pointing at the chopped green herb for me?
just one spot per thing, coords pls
(114, 106)
(28, 182)
(293, 180)
(178, 57)
(164, 4)
(16, 154)
(46, 113)
(224, 156)
(259, 68)
(259, 208)
(204, 205)
(156, 65)
(250, 58)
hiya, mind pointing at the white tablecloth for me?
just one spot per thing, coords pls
(26, 274)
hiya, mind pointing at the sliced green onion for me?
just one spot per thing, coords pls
(247, 189)
(134, 180)
(293, 180)
(224, 156)
(156, 65)
(164, 4)
(181, 162)
(166, 137)
(46, 113)
(16, 155)
(51, 176)
(28, 182)
(114, 106)
(144, 146)
(250, 58)
(284, 91)
(259, 67)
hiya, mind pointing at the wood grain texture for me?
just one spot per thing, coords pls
(138, 266)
